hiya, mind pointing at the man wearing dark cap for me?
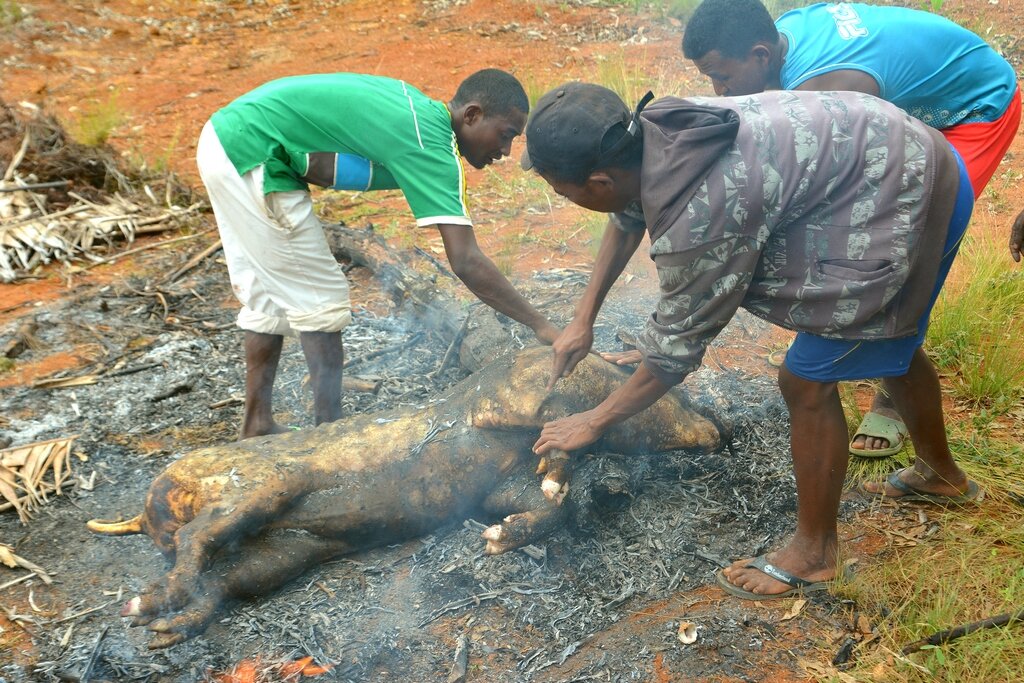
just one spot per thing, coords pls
(832, 214)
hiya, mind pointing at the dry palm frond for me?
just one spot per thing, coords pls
(42, 221)
(8, 558)
(30, 236)
(28, 474)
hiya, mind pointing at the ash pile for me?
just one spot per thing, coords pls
(166, 376)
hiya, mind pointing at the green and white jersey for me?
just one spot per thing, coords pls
(351, 132)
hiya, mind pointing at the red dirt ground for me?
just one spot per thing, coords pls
(165, 65)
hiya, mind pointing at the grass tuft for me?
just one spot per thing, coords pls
(973, 337)
(98, 121)
(10, 13)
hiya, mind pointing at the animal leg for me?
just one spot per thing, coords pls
(231, 519)
(532, 515)
(556, 466)
(258, 567)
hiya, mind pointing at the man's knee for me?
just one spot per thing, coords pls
(804, 393)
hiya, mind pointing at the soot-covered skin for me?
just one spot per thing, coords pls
(241, 519)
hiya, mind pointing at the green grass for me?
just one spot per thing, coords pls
(97, 121)
(974, 337)
(631, 78)
(973, 567)
(10, 13)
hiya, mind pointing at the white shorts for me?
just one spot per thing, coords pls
(281, 269)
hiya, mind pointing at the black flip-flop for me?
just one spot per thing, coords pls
(799, 586)
(913, 494)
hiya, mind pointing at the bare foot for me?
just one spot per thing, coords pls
(920, 483)
(261, 430)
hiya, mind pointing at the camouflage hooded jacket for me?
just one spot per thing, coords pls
(818, 212)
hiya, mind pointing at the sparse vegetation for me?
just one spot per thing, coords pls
(97, 121)
(948, 568)
(10, 13)
(632, 78)
(974, 332)
(682, 9)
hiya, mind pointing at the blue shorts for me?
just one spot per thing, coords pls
(819, 359)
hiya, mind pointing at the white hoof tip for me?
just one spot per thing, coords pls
(131, 608)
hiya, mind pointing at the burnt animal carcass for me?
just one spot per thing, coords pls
(241, 519)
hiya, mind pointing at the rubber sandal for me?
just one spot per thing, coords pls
(778, 357)
(881, 427)
(799, 586)
(912, 494)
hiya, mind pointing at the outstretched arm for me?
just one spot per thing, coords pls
(573, 344)
(1017, 237)
(488, 283)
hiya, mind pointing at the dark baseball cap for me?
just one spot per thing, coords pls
(579, 126)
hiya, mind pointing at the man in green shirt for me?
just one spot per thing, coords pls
(257, 157)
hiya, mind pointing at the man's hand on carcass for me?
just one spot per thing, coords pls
(572, 346)
(569, 433)
(556, 439)
(631, 357)
(1017, 237)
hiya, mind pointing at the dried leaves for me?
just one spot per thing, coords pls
(33, 233)
(8, 558)
(28, 474)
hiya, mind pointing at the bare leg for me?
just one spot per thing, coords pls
(884, 406)
(262, 354)
(819, 446)
(324, 357)
(917, 395)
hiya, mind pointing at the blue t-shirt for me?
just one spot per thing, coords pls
(935, 70)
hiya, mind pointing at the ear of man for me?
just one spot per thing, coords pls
(472, 112)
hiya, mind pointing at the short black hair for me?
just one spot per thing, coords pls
(497, 92)
(732, 27)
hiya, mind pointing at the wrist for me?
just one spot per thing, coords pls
(585, 315)
(601, 420)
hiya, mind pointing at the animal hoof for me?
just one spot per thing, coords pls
(494, 532)
(554, 491)
(495, 548)
(132, 608)
(165, 640)
(160, 626)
